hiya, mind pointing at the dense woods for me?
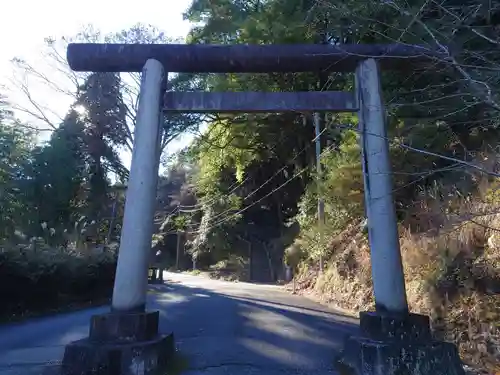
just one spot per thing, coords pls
(244, 191)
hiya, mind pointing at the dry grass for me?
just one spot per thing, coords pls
(454, 276)
(452, 271)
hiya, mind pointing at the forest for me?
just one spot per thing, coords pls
(241, 199)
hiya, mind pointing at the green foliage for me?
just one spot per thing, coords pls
(223, 148)
(492, 195)
(67, 177)
(215, 233)
(56, 196)
(231, 269)
(181, 222)
(442, 110)
(47, 278)
(15, 147)
(247, 177)
(341, 185)
(237, 156)
(55, 176)
(341, 188)
(294, 254)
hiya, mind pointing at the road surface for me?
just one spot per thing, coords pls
(219, 327)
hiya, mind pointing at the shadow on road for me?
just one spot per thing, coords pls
(218, 331)
(230, 331)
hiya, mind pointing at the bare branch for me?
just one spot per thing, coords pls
(480, 88)
(425, 152)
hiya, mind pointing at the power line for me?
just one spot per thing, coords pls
(193, 208)
(238, 184)
(271, 178)
(258, 201)
(400, 144)
(252, 192)
(203, 205)
(425, 152)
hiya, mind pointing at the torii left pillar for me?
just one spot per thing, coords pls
(126, 340)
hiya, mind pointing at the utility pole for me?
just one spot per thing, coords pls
(178, 254)
(318, 119)
(112, 221)
(321, 202)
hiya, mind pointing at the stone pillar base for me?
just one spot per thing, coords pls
(156, 276)
(120, 344)
(397, 345)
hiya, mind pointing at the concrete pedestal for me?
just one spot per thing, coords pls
(120, 344)
(156, 275)
(397, 345)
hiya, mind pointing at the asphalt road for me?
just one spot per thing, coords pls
(219, 327)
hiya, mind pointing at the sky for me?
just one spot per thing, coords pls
(28, 22)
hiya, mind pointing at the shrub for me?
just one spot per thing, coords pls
(234, 268)
(49, 278)
(293, 255)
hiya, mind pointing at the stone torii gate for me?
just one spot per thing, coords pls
(393, 340)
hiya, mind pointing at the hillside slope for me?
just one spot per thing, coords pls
(452, 272)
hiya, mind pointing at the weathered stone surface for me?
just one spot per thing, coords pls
(84, 357)
(244, 58)
(237, 102)
(369, 357)
(397, 345)
(405, 327)
(156, 276)
(124, 327)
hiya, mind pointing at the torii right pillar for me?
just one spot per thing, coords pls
(393, 341)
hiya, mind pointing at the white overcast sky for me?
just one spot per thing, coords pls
(26, 23)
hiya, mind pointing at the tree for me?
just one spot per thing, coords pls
(56, 176)
(247, 150)
(447, 110)
(15, 146)
(103, 117)
(61, 81)
(69, 174)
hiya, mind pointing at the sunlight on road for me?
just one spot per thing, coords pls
(170, 298)
(201, 295)
(276, 353)
(76, 333)
(280, 325)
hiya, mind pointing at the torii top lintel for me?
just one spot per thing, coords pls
(242, 58)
